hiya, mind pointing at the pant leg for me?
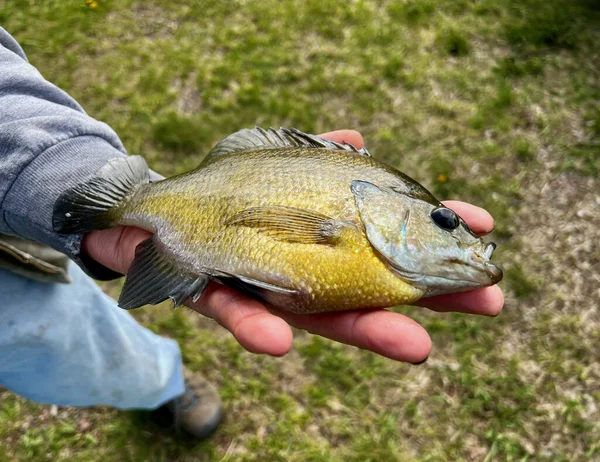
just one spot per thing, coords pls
(69, 344)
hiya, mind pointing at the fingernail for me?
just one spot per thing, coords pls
(420, 362)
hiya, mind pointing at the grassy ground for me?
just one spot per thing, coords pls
(492, 101)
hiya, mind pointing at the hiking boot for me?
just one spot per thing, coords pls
(199, 409)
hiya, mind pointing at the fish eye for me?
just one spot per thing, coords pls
(445, 218)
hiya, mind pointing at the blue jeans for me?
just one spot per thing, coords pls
(69, 344)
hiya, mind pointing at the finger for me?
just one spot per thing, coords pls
(386, 333)
(114, 247)
(252, 325)
(349, 136)
(487, 301)
(478, 219)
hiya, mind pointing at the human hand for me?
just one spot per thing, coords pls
(260, 329)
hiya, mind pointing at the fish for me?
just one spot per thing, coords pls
(299, 222)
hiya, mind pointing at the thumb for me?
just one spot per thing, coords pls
(114, 247)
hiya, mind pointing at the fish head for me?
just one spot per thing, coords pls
(425, 243)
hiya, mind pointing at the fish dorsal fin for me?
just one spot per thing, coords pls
(258, 138)
(289, 224)
(153, 278)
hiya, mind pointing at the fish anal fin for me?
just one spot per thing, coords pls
(290, 224)
(153, 278)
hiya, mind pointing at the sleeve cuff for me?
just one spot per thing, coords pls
(29, 204)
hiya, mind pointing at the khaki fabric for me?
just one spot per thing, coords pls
(33, 260)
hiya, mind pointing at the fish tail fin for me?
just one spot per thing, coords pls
(96, 203)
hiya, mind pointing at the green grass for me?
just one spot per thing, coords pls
(454, 42)
(493, 102)
(519, 283)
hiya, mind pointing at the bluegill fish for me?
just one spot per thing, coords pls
(300, 222)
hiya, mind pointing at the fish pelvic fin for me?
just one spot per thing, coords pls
(153, 278)
(290, 224)
(95, 203)
(267, 292)
(258, 138)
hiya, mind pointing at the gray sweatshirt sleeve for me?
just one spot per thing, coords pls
(47, 145)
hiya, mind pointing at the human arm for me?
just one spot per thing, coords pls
(47, 145)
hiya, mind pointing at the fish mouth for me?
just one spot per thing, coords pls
(482, 261)
(494, 272)
(468, 270)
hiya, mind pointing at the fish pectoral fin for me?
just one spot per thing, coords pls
(290, 224)
(265, 291)
(258, 138)
(153, 278)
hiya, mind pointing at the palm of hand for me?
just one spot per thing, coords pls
(260, 329)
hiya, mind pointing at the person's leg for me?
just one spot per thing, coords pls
(69, 344)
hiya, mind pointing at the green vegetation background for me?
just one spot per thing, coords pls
(492, 101)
